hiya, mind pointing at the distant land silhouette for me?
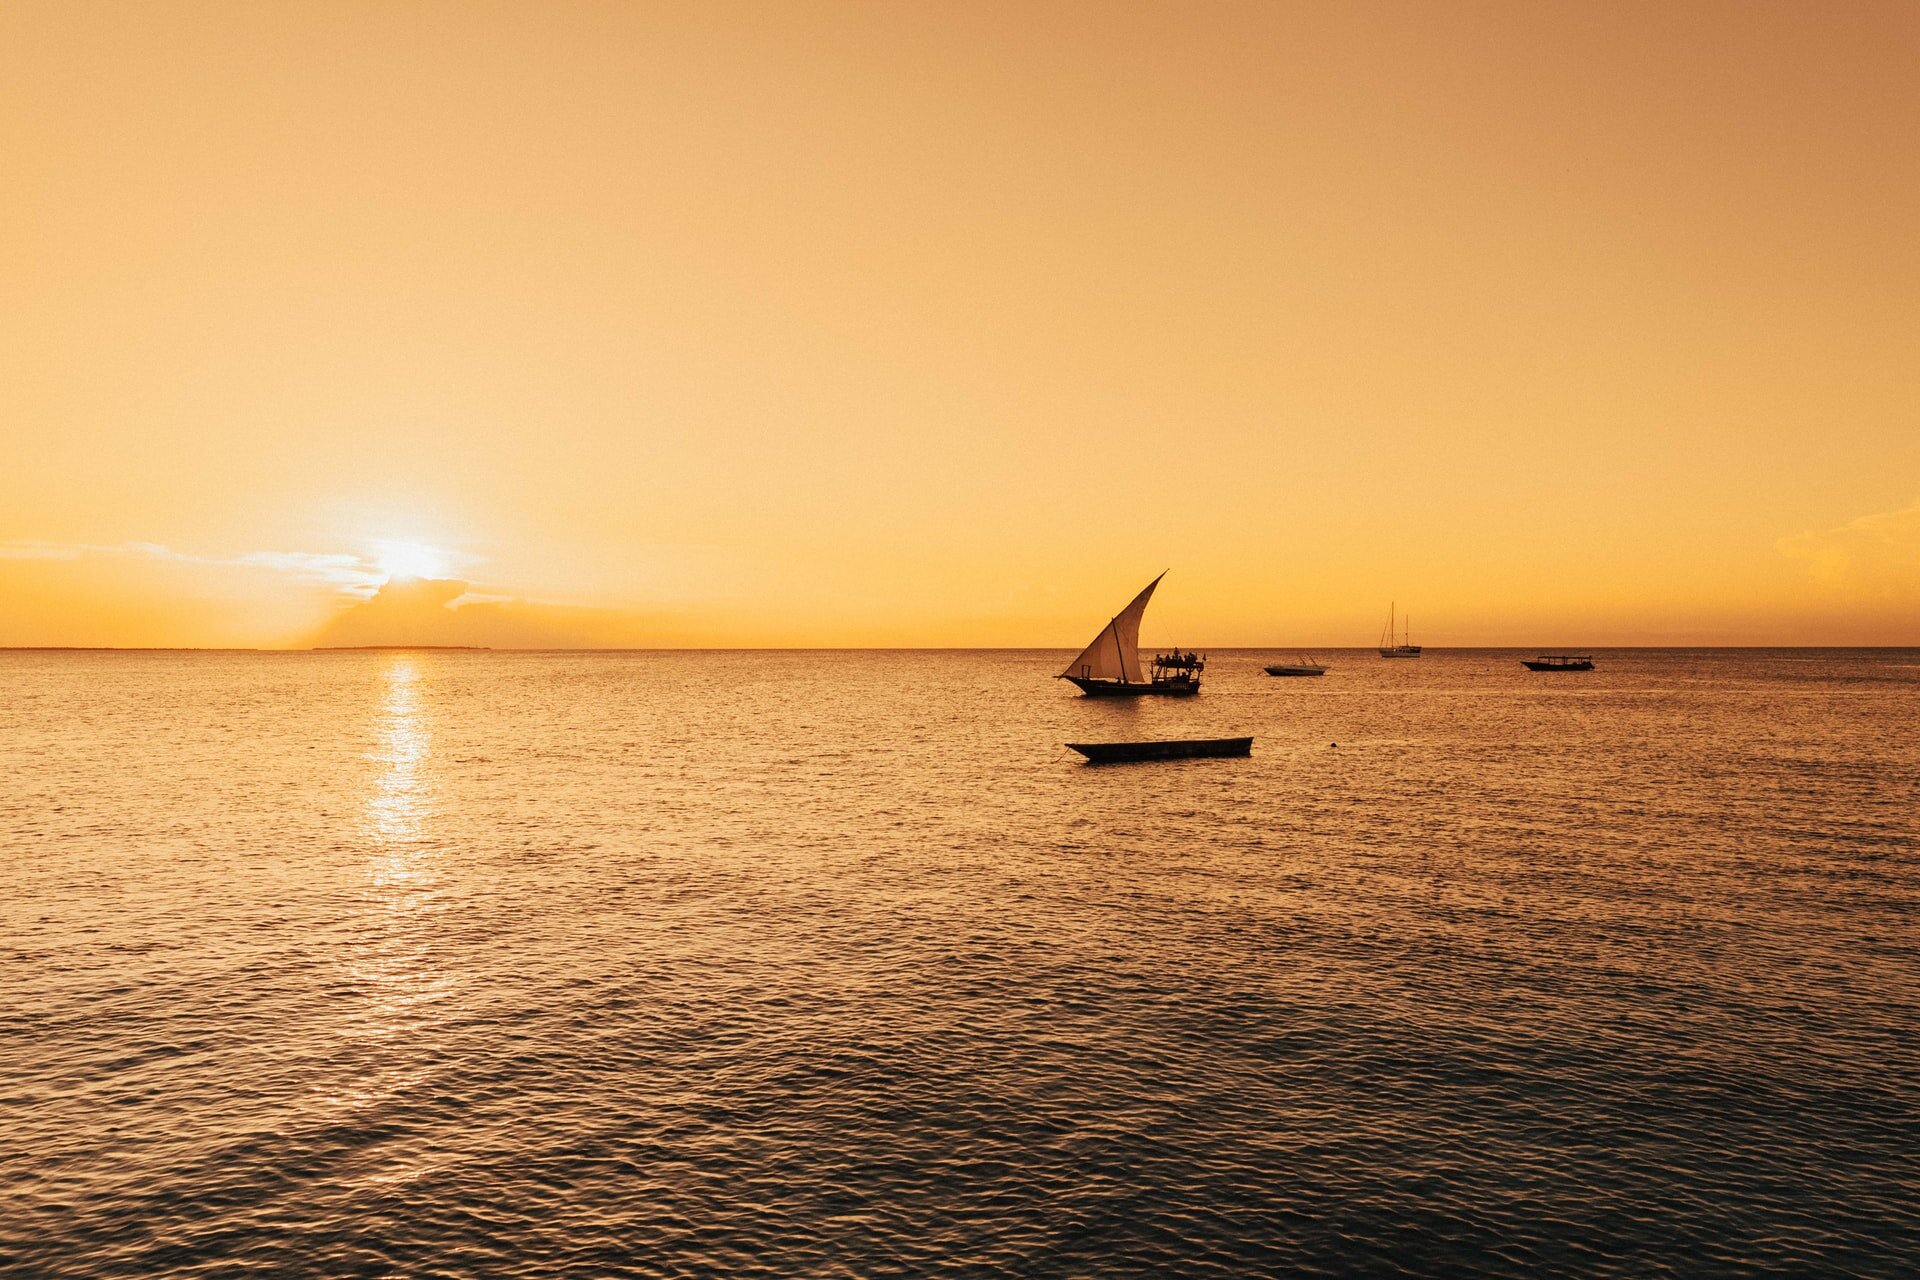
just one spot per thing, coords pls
(391, 648)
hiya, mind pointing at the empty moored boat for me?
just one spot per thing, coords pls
(1171, 749)
(1559, 662)
(1303, 666)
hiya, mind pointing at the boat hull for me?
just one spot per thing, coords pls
(1135, 688)
(1401, 651)
(1281, 670)
(1175, 749)
(1556, 666)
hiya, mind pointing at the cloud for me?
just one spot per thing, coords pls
(36, 550)
(336, 570)
(1876, 554)
(138, 593)
(339, 570)
(441, 611)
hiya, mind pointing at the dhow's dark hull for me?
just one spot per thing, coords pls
(1135, 689)
(1177, 749)
(1556, 666)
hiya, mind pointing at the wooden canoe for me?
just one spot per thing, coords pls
(1174, 749)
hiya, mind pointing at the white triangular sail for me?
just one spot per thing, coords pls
(1115, 652)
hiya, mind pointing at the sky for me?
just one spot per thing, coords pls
(953, 324)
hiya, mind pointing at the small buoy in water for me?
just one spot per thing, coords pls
(1333, 744)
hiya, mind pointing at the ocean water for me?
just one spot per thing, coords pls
(839, 964)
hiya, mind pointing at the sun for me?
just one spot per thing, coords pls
(410, 560)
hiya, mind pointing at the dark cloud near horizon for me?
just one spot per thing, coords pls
(433, 611)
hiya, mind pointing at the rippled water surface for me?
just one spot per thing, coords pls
(467, 964)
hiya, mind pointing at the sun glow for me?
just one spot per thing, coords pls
(410, 560)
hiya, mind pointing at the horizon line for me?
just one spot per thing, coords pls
(872, 648)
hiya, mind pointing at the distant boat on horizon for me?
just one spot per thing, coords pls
(1394, 644)
(1110, 666)
(1306, 666)
(1559, 662)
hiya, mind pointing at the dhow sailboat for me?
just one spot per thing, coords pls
(1110, 666)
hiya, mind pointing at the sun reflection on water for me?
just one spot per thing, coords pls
(393, 963)
(398, 807)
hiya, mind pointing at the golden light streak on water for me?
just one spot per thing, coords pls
(397, 807)
(392, 963)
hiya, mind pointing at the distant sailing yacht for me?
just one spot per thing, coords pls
(1110, 666)
(1395, 645)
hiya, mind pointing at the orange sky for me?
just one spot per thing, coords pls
(955, 323)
